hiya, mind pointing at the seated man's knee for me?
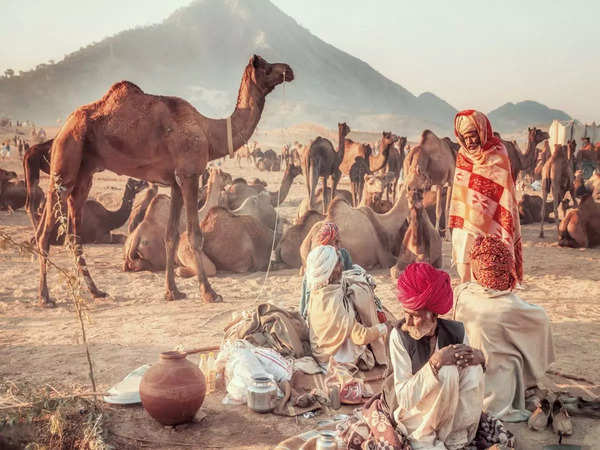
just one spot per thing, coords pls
(448, 375)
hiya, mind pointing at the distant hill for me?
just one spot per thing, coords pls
(199, 52)
(514, 117)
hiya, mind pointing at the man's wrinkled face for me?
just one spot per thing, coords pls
(471, 139)
(419, 324)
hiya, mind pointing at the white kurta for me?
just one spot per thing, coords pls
(436, 413)
(516, 340)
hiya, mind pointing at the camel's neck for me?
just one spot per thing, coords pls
(119, 217)
(213, 192)
(245, 117)
(341, 145)
(377, 162)
(284, 189)
(395, 217)
(530, 154)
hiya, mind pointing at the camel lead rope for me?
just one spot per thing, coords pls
(229, 137)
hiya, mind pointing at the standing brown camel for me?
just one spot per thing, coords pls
(394, 165)
(36, 158)
(557, 177)
(358, 172)
(431, 163)
(322, 161)
(524, 162)
(156, 138)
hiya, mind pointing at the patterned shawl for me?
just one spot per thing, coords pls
(484, 197)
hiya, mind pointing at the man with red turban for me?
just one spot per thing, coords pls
(438, 377)
(484, 197)
(514, 335)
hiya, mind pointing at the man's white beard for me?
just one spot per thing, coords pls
(417, 333)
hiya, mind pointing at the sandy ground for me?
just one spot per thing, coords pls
(134, 324)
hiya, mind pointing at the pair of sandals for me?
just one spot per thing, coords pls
(551, 411)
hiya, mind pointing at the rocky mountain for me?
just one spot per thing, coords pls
(199, 52)
(514, 117)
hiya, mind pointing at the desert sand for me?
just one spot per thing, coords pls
(134, 324)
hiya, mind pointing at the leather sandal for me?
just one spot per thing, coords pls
(538, 421)
(561, 422)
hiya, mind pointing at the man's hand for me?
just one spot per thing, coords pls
(459, 355)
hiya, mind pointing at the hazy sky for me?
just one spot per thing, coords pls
(472, 53)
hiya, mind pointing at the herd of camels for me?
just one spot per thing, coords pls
(407, 226)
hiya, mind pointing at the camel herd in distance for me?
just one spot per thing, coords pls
(395, 214)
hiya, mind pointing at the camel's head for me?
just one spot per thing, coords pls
(401, 142)
(5, 175)
(218, 179)
(292, 170)
(266, 75)
(536, 135)
(388, 138)
(344, 128)
(415, 199)
(374, 186)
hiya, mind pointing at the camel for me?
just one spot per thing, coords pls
(377, 160)
(286, 154)
(140, 207)
(171, 145)
(98, 222)
(557, 177)
(259, 206)
(288, 249)
(581, 226)
(243, 152)
(431, 163)
(269, 161)
(421, 242)
(239, 191)
(145, 246)
(249, 251)
(372, 196)
(524, 162)
(322, 161)
(13, 194)
(366, 235)
(454, 146)
(36, 158)
(394, 165)
(529, 209)
(358, 171)
(342, 194)
(593, 184)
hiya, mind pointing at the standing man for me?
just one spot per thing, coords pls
(484, 197)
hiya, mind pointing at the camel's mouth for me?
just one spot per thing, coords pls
(287, 75)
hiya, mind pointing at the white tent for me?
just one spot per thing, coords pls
(563, 131)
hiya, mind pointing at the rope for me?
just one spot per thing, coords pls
(267, 273)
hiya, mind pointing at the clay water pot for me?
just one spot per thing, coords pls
(173, 390)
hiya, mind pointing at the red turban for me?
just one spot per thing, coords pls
(329, 232)
(492, 263)
(422, 286)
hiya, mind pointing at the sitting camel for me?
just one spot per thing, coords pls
(233, 243)
(145, 246)
(421, 242)
(431, 163)
(557, 178)
(259, 206)
(530, 207)
(13, 194)
(322, 161)
(368, 236)
(288, 249)
(372, 196)
(240, 190)
(98, 222)
(581, 226)
(318, 204)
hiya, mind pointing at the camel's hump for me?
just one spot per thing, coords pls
(122, 88)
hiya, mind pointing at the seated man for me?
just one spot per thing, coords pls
(514, 335)
(328, 235)
(438, 377)
(332, 313)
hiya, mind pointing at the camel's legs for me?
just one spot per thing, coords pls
(45, 227)
(448, 200)
(544, 197)
(324, 195)
(189, 186)
(75, 202)
(171, 240)
(556, 199)
(438, 207)
(335, 179)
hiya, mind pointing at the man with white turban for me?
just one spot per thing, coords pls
(331, 314)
